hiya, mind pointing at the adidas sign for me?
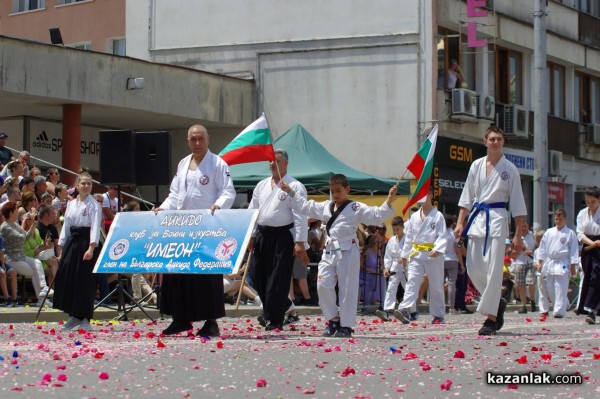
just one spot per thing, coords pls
(42, 141)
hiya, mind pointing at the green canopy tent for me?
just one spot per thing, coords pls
(312, 165)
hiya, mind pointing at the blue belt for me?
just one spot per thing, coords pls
(482, 206)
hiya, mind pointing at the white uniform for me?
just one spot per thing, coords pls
(340, 263)
(503, 185)
(391, 261)
(430, 229)
(559, 250)
(451, 266)
(212, 174)
(276, 206)
(82, 214)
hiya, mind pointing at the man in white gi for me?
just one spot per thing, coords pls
(524, 272)
(281, 235)
(202, 182)
(559, 255)
(340, 263)
(423, 251)
(394, 269)
(492, 183)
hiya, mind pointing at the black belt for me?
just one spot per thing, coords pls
(267, 230)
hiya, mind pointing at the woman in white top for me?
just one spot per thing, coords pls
(75, 283)
(588, 233)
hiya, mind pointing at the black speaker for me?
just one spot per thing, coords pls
(152, 158)
(116, 157)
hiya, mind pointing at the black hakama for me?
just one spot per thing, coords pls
(589, 297)
(192, 297)
(274, 262)
(75, 284)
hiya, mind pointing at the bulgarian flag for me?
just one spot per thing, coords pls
(421, 167)
(253, 144)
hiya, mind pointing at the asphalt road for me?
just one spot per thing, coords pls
(382, 360)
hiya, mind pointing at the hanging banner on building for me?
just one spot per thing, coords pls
(186, 242)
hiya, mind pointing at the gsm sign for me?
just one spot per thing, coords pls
(462, 154)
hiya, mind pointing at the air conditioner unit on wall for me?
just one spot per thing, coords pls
(592, 133)
(464, 102)
(516, 121)
(555, 163)
(486, 107)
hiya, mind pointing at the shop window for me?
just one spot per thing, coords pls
(509, 76)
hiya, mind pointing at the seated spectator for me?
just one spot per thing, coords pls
(29, 204)
(40, 248)
(14, 240)
(12, 195)
(39, 187)
(110, 206)
(34, 172)
(26, 185)
(23, 159)
(52, 180)
(232, 284)
(14, 169)
(8, 272)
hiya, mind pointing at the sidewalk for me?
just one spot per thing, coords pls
(27, 314)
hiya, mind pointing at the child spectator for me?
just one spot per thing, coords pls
(507, 279)
(393, 269)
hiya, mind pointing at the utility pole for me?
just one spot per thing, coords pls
(540, 120)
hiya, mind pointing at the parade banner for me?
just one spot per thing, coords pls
(177, 242)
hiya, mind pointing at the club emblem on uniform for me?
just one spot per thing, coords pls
(282, 196)
(118, 249)
(504, 175)
(355, 206)
(226, 248)
(84, 212)
(204, 180)
(563, 240)
(432, 226)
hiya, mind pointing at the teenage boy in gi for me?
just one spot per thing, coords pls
(340, 263)
(559, 249)
(424, 243)
(492, 183)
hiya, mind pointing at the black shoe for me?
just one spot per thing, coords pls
(229, 300)
(591, 319)
(209, 329)
(500, 314)
(290, 319)
(331, 328)
(343, 332)
(403, 315)
(533, 307)
(489, 328)
(261, 320)
(465, 311)
(274, 326)
(414, 316)
(523, 310)
(558, 316)
(177, 327)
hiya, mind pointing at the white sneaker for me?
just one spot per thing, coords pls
(72, 323)
(45, 292)
(85, 325)
(48, 303)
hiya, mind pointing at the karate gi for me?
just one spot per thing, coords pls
(543, 303)
(195, 297)
(391, 261)
(558, 251)
(340, 263)
(429, 230)
(589, 297)
(503, 185)
(279, 227)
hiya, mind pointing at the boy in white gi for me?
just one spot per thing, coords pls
(340, 263)
(492, 183)
(558, 254)
(544, 305)
(393, 268)
(423, 250)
